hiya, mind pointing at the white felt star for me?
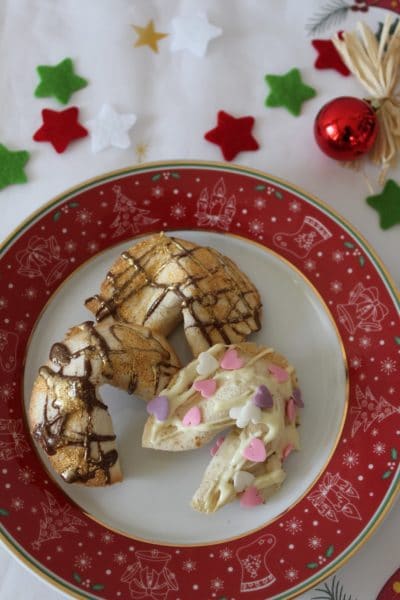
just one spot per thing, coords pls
(193, 33)
(110, 128)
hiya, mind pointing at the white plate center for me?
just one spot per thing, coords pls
(153, 501)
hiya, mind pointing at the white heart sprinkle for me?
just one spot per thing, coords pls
(206, 364)
(244, 414)
(242, 480)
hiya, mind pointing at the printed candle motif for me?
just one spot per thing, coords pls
(216, 210)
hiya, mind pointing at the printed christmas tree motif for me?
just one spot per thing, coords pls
(334, 498)
(57, 520)
(42, 258)
(217, 210)
(150, 577)
(129, 217)
(364, 310)
(13, 443)
(369, 410)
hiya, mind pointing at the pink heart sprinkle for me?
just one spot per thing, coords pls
(255, 450)
(206, 387)
(231, 361)
(192, 417)
(250, 497)
(291, 410)
(217, 445)
(287, 450)
(281, 375)
(159, 407)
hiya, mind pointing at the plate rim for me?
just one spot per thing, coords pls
(393, 490)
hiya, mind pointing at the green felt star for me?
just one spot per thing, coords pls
(387, 204)
(288, 91)
(12, 166)
(59, 81)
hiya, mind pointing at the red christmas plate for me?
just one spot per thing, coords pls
(329, 305)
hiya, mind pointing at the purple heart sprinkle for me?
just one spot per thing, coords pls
(159, 407)
(262, 398)
(296, 395)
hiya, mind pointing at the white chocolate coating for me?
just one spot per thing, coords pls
(235, 389)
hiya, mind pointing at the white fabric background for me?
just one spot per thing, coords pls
(176, 97)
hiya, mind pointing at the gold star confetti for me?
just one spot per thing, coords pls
(147, 36)
(141, 152)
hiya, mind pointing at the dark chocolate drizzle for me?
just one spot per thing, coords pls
(54, 432)
(244, 303)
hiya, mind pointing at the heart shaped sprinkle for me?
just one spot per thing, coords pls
(298, 400)
(281, 375)
(218, 443)
(250, 498)
(231, 360)
(206, 364)
(287, 450)
(206, 387)
(244, 414)
(242, 480)
(396, 587)
(255, 450)
(159, 407)
(192, 417)
(262, 397)
(291, 410)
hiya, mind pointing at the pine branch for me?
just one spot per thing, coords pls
(330, 15)
(333, 590)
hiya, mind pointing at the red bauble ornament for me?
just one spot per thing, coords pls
(346, 128)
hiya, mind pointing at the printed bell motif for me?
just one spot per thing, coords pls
(149, 577)
(256, 574)
(300, 243)
(363, 310)
(41, 258)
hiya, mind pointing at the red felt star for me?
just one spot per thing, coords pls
(232, 135)
(328, 57)
(60, 128)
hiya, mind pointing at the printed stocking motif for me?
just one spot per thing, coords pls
(256, 574)
(301, 242)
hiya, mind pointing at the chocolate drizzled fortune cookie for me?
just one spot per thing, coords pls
(162, 280)
(67, 416)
